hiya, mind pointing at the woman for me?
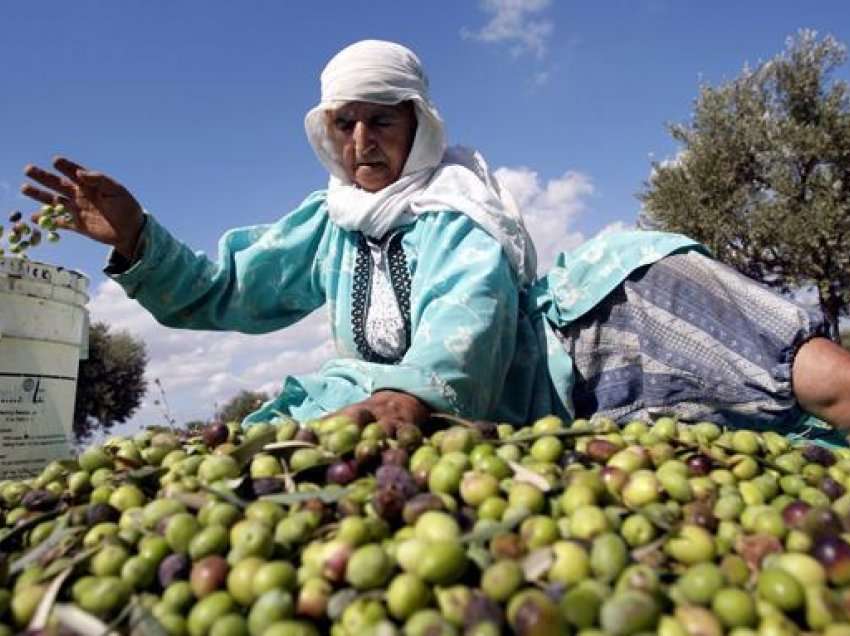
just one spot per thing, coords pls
(428, 274)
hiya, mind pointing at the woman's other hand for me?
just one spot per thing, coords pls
(390, 408)
(100, 207)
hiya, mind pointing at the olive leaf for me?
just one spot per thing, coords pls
(143, 622)
(329, 494)
(479, 555)
(57, 566)
(525, 475)
(490, 530)
(80, 622)
(145, 473)
(285, 445)
(339, 601)
(9, 539)
(192, 500)
(229, 497)
(35, 554)
(651, 554)
(42, 612)
(537, 563)
(246, 451)
(523, 437)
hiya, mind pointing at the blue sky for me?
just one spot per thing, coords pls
(197, 107)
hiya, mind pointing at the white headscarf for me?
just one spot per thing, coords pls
(434, 178)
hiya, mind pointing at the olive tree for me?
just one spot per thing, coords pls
(241, 405)
(111, 382)
(762, 176)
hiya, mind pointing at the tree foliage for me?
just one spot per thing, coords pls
(240, 405)
(111, 383)
(763, 174)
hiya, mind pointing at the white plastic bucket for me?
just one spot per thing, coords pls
(43, 336)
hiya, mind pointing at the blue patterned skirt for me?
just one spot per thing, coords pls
(692, 337)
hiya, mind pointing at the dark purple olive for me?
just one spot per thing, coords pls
(39, 500)
(488, 430)
(481, 609)
(831, 488)
(342, 472)
(266, 486)
(388, 503)
(699, 464)
(419, 504)
(174, 567)
(216, 434)
(818, 455)
(466, 518)
(821, 521)
(398, 478)
(15, 216)
(408, 436)
(306, 435)
(834, 554)
(794, 513)
(395, 457)
(101, 513)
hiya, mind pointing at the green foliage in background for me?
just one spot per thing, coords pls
(763, 174)
(240, 405)
(111, 382)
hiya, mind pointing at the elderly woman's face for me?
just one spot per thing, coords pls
(372, 141)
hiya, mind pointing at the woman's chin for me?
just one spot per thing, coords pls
(372, 179)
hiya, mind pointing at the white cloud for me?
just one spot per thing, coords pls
(514, 22)
(198, 368)
(549, 209)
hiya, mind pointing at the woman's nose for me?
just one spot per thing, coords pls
(363, 135)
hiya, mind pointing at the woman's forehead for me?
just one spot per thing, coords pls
(360, 109)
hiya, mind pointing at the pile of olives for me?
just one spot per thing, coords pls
(460, 527)
(21, 236)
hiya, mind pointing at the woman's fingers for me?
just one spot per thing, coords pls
(50, 180)
(93, 184)
(67, 167)
(42, 196)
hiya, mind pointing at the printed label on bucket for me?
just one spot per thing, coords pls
(31, 432)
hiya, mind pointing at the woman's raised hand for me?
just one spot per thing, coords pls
(100, 207)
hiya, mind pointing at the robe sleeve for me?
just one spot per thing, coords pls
(266, 277)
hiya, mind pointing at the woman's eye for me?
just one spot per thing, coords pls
(343, 124)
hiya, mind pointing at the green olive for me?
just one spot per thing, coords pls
(780, 588)
(213, 539)
(272, 606)
(207, 611)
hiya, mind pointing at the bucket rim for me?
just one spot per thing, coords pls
(48, 273)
